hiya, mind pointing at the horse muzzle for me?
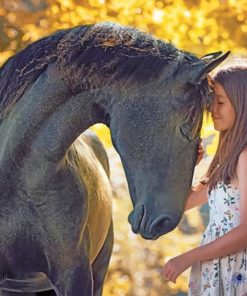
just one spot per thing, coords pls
(151, 229)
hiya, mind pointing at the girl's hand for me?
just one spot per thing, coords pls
(200, 152)
(174, 267)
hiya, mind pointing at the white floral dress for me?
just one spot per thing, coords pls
(226, 276)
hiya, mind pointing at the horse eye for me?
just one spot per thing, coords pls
(186, 132)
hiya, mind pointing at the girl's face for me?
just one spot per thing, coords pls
(222, 111)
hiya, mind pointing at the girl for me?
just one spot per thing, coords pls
(219, 265)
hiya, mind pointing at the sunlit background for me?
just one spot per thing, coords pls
(197, 26)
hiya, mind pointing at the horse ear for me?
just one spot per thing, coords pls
(213, 62)
(211, 56)
(208, 63)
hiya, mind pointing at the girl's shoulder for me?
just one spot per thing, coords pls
(242, 159)
(241, 167)
(243, 154)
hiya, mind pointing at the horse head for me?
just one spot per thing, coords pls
(156, 132)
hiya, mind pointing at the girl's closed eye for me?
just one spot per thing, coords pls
(220, 99)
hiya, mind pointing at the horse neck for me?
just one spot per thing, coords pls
(45, 122)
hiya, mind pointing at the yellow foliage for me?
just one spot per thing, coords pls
(104, 134)
(202, 26)
(5, 55)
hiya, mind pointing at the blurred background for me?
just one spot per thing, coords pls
(193, 25)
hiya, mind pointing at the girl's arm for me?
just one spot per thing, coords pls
(236, 239)
(230, 243)
(198, 196)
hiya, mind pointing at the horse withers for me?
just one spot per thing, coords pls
(55, 196)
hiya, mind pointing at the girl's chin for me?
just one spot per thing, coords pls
(219, 128)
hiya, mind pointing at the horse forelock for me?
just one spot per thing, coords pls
(199, 106)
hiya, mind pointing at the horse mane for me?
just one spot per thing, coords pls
(21, 70)
(88, 56)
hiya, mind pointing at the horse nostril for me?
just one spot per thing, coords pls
(135, 218)
(163, 224)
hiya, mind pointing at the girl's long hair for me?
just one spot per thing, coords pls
(231, 142)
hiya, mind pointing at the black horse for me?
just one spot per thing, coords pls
(55, 196)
